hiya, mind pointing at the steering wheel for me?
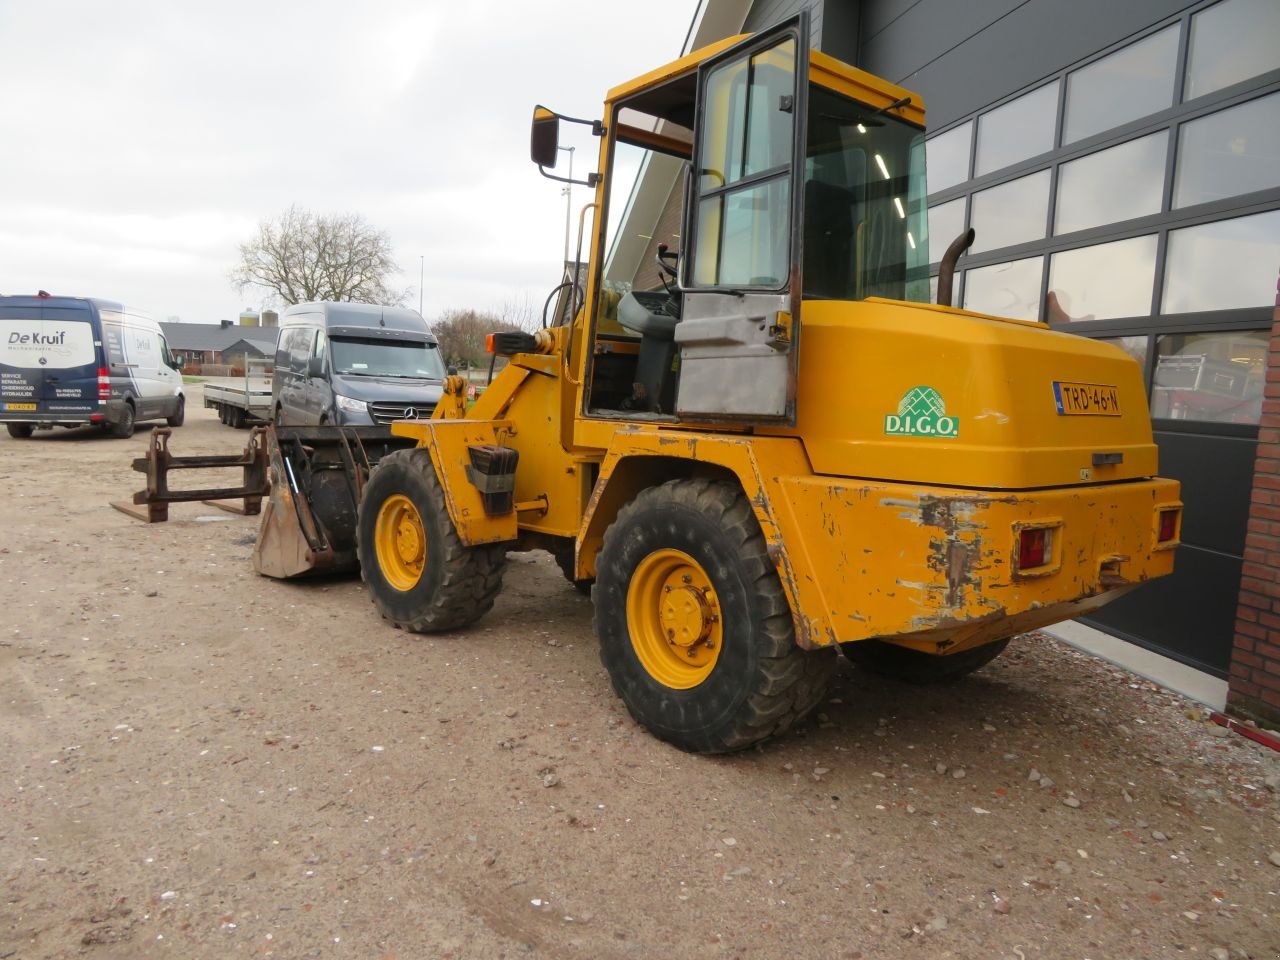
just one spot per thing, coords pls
(667, 269)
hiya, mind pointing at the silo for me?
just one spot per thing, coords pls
(270, 318)
(248, 317)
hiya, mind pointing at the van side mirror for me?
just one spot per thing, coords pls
(315, 366)
(544, 137)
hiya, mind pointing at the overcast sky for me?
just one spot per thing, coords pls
(143, 141)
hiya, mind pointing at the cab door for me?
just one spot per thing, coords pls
(739, 333)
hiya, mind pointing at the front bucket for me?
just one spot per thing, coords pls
(317, 476)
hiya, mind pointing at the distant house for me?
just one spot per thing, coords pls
(228, 343)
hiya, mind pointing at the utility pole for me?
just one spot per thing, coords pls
(568, 203)
(422, 269)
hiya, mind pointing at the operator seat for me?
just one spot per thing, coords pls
(654, 316)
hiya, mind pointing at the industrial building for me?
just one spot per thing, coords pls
(1120, 163)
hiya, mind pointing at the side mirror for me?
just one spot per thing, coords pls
(452, 371)
(544, 137)
(315, 366)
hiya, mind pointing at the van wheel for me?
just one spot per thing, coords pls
(123, 428)
(21, 431)
(420, 574)
(915, 666)
(695, 630)
(180, 414)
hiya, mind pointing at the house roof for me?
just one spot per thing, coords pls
(263, 348)
(208, 336)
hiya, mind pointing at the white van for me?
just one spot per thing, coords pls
(72, 361)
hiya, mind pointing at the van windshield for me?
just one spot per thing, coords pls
(376, 357)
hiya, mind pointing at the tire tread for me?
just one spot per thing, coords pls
(790, 681)
(471, 576)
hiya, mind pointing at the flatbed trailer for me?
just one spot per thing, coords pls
(247, 404)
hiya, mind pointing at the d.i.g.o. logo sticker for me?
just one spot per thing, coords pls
(921, 413)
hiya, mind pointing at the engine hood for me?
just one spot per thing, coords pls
(396, 389)
(926, 394)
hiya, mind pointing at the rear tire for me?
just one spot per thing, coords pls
(122, 429)
(695, 630)
(20, 431)
(179, 415)
(913, 666)
(564, 560)
(419, 573)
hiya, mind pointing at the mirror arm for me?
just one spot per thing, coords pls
(591, 181)
(597, 130)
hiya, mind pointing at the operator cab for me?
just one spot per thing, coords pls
(800, 191)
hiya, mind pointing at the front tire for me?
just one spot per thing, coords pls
(694, 628)
(122, 429)
(20, 431)
(419, 573)
(914, 666)
(179, 415)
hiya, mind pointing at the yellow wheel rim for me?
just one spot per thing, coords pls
(400, 543)
(673, 616)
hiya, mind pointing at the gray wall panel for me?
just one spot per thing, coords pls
(878, 14)
(961, 57)
(926, 31)
(766, 13)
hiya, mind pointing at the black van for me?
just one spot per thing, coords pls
(72, 361)
(355, 363)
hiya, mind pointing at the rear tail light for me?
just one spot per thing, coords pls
(104, 383)
(1168, 525)
(1034, 548)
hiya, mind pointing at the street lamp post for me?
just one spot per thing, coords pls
(568, 203)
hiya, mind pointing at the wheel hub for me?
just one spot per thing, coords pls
(673, 617)
(685, 616)
(400, 542)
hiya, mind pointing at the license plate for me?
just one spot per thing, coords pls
(19, 406)
(1086, 399)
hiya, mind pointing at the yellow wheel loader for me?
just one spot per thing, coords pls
(768, 446)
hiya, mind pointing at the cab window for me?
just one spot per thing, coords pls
(743, 221)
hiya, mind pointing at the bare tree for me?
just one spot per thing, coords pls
(522, 314)
(462, 332)
(301, 256)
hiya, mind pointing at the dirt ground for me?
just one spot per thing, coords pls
(203, 763)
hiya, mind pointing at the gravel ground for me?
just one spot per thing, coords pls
(204, 763)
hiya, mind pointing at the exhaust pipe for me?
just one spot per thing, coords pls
(947, 271)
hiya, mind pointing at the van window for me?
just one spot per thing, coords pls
(377, 357)
(47, 344)
(297, 343)
(142, 348)
(165, 353)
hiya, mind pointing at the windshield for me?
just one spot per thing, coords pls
(375, 357)
(865, 218)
